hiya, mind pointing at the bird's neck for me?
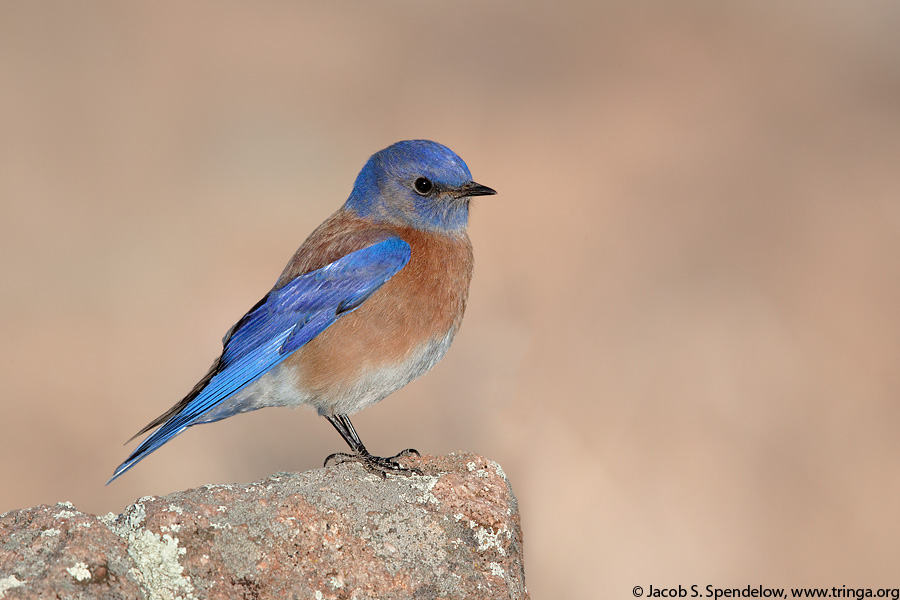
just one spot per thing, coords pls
(438, 217)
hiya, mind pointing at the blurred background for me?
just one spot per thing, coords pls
(682, 340)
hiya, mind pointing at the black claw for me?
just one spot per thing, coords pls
(377, 464)
(374, 464)
(335, 457)
(408, 452)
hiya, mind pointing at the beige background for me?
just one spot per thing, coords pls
(683, 336)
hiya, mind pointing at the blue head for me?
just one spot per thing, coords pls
(416, 183)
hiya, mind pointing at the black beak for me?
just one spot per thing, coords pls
(474, 189)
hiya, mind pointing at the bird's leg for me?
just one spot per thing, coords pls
(375, 464)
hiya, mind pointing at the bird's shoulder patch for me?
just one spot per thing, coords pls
(340, 234)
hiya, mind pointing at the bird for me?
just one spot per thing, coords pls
(370, 301)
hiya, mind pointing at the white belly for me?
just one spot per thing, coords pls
(280, 386)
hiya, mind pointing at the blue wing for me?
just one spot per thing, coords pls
(281, 323)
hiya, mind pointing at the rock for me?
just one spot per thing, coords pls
(338, 532)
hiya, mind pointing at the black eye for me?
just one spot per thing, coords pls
(423, 185)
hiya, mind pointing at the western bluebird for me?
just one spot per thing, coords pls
(370, 301)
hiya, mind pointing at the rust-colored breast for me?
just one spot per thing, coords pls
(425, 301)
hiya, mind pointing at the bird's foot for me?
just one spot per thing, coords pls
(377, 464)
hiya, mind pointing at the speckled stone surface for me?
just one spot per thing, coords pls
(339, 532)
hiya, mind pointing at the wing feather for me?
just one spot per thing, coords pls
(281, 323)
